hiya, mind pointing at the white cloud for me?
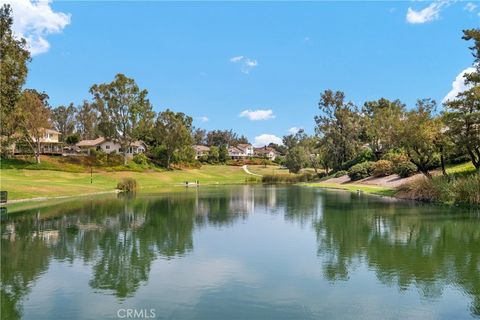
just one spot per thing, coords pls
(428, 14)
(294, 130)
(255, 115)
(236, 59)
(265, 139)
(458, 85)
(34, 21)
(470, 6)
(203, 119)
(246, 64)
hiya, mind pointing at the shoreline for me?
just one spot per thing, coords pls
(40, 199)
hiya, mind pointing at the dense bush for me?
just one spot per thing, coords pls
(396, 157)
(340, 173)
(459, 189)
(365, 155)
(127, 184)
(467, 189)
(140, 158)
(288, 178)
(322, 174)
(382, 168)
(405, 169)
(361, 171)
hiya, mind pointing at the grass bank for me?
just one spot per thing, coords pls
(382, 191)
(27, 183)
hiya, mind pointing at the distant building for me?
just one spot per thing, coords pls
(235, 153)
(247, 149)
(266, 152)
(109, 146)
(201, 151)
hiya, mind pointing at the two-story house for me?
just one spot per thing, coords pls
(49, 143)
(247, 149)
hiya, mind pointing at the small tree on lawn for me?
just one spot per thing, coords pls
(33, 117)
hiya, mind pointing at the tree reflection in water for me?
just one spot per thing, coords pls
(404, 244)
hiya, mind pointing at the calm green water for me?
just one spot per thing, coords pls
(241, 253)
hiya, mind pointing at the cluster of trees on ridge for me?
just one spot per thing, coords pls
(421, 137)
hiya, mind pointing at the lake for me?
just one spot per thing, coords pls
(241, 252)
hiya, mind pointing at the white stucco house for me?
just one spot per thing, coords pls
(247, 149)
(109, 146)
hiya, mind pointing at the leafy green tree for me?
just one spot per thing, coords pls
(382, 120)
(63, 119)
(281, 149)
(224, 137)
(296, 159)
(87, 121)
(463, 113)
(199, 136)
(420, 131)
(125, 110)
(173, 132)
(72, 139)
(213, 154)
(223, 154)
(14, 57)
(338, 127)
(32, 117)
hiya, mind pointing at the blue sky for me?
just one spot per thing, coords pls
(218, 59)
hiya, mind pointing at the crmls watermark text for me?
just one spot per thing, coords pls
(133, 313)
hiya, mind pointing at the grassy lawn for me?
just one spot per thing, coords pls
(272, 169)
(383, 191)
(462, 168)
(25, 183)
(269, 169)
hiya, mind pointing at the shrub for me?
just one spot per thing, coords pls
(466, 190)
(322, 174)
(115, 159)
(127, 184)
(340, 173)
(395, 157)
(459, 189)
(361, 171)
(287, 178)
(100, 157)
(382, 168)
(421, 189)
(405, 169)
(365, 155)
(140, 158)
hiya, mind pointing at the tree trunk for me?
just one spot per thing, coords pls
(168, 161)
(125, 158)
(442, 160)
(38, 151)
(426, 173)
(475, 161)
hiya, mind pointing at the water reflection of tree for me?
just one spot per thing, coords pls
(21, 251)
(425, 247)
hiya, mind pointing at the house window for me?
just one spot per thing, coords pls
(107, 147)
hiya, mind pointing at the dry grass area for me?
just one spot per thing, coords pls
(25, 183)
